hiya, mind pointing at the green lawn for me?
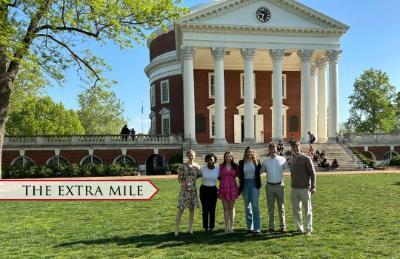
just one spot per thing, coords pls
(354, 216)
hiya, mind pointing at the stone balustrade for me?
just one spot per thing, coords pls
(84, 140)
(381, 138)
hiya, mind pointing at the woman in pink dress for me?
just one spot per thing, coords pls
(228, 189)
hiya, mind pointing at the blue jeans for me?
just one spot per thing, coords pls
(250, 196)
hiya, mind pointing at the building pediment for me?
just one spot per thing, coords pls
(285, 15)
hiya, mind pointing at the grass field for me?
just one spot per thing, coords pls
(354, 216)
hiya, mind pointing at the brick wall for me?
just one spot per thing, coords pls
(233, 99)
(74, 156)
(107, 155)
(40, 156)
(162, 44)
(379, 152)
(175, 105)
(8, 156)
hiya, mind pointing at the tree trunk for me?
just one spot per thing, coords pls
(4, 103)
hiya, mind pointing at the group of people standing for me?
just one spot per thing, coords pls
(248, 171)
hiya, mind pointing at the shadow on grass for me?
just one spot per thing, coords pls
(169, 240)
(397, 183)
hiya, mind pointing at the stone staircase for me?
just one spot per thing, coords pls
(347, 161)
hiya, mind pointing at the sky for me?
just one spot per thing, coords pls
(371, 42)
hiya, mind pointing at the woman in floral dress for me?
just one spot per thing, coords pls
(228, 189)
(188, 197)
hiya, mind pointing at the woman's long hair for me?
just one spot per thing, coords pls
(223, 164)
(254, 157)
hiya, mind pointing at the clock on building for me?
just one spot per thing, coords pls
(263, 14)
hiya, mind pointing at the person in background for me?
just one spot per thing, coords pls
(228, 189)
(187, 175)
(335, 164)
(280, 148)
(303, 181)
(208, 191)
(249, 186)
(125, 132)
(311, 138)
(274, 165)
(133, 134)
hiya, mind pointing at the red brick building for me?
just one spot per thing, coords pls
(206, 68)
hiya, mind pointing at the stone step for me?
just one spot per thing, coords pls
(332, 150)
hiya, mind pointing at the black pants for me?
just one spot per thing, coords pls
(208, 198)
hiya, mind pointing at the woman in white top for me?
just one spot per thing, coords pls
(208, 191)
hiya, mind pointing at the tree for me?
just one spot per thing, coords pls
(372, 104)
(42, 116)
(100, 111)
(43, 34)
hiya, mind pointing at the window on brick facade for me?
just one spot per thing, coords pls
(153, 126)
(165, 125)
(211, 85)
(91, 160)
(164, 91)
(212, 125)
(23, 161)
(293, 124)
(242, 85)
(152, 95)
(200, 123)
(58, 160)
(283, 86)
(125, 160)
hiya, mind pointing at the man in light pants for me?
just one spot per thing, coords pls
(274, 165)
(303, 185)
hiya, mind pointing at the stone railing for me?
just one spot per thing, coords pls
(393, 138)
(81, 140)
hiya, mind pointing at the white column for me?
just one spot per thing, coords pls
(277, 57)
(219, 85)
(188, 95)
(333, 127)
(313, 101)
(305, 57)
(321, 132)
(248, 55)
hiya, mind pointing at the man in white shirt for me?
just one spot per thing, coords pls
(274, 165)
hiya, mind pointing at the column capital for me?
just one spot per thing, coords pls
(277, 54)
(305, 55)
(218, 53)
(321, 62)
(187, 52)
(248, 53)
(333, 55)
(313, 69)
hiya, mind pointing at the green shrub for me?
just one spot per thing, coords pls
(176, 159)
(174, 167)
(48, 171)
(395, 161)
(365, 160)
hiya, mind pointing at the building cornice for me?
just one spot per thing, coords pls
(166, 59)
(288, 5)
(260, 30)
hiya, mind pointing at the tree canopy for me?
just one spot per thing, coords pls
(100, 112)
(43, 36)
(42, 116)
(374, 104)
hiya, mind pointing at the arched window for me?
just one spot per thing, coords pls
(125, 160)
(58, 160)
(91, 160)
(390, 155)
(23, 161)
